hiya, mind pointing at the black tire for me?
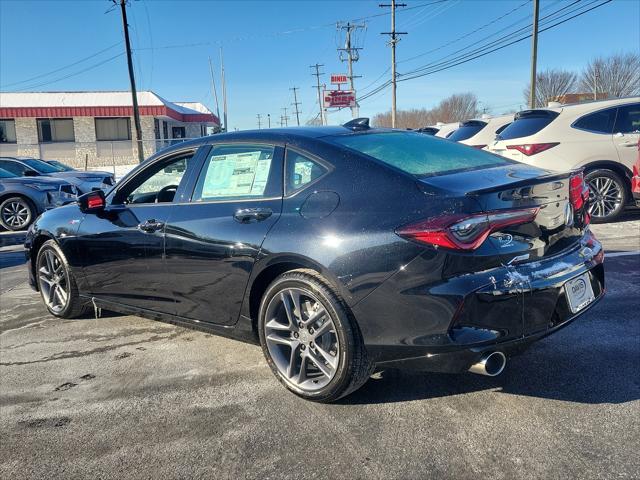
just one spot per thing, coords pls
(12, 222)
(601, 213)
(74, 305)
(353, 367)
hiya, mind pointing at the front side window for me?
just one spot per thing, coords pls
(7, 131)
(113, 129)
(628, 119)
(597, 122)
(235, 171)
(301, 171)
(157, 183)
(55, 130)
(418, 154)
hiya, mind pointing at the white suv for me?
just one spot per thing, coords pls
(482, 132)
(599, 136)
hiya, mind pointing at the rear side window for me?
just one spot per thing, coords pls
(418, 154)
(597, 122)
(528, 122)
(301, 171)
(235, 171)
(628, 120)
(467, 130)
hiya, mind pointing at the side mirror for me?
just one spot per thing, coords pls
(30, 173)
(92, 202)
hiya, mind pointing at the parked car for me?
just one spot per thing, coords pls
(84, 181)
(635, 180)
(598, 136)
(481, 132)
(428, 130)
(22, 199)
(335, 248)
(446, 129)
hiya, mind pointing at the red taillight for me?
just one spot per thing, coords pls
(95, 202)
(464, 231)
(479, 147)
(532, 148)
(578, 191)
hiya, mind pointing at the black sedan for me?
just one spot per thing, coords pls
(338, 249)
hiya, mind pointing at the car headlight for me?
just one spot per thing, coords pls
(44, 187)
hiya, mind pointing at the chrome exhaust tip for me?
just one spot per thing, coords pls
(491, 364)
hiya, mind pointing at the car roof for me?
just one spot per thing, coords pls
(590, 106)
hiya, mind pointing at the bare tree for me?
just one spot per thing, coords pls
(551, 84)
(614, 76)
(457, 107)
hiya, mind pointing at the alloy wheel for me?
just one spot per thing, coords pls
(301, 338)
(53, 280)
(605, 196)
(16, 214)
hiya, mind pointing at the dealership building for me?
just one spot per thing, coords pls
(96, 128)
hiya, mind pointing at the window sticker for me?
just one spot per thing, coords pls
(236, 174)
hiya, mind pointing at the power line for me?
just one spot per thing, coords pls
(489, 48)
(77, 62)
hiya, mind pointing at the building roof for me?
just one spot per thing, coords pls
(99, 104)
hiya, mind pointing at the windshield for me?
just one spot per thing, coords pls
(467, 130)
(6, 174)
(418, 154)
(39, 165)
(61, 167)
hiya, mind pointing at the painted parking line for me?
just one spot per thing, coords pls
(621, 254)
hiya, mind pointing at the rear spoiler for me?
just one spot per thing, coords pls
(527, 182)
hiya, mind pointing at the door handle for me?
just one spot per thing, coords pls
(150, 226)
(248, 215)
(629, 144)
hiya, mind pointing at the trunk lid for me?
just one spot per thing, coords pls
(518, 187)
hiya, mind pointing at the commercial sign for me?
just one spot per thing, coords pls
(338, 78)
(338, 98)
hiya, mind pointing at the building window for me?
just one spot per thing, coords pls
(113, 129)
(156, 128)
(7, 131)
(165, 130)
(55, 130)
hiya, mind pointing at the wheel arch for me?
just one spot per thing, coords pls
(34, 249)
(616, 167)
(272, 268)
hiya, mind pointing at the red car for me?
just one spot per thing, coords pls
(635, 181)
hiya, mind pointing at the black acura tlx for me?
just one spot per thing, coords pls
(338, 249)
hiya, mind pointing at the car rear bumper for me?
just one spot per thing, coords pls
(447, 325)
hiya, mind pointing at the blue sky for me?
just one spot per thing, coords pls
(269, 45)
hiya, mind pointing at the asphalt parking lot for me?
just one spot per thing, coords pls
(123, 396)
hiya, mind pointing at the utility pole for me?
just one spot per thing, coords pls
(534, 55)
(259, 123)
(134, 94)
(352, 55)
(595, 84)
(296, 103)
(319, 87)
(394, 40)
(224, 91)
(284, 117)
(213, 88)
(268, 120)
